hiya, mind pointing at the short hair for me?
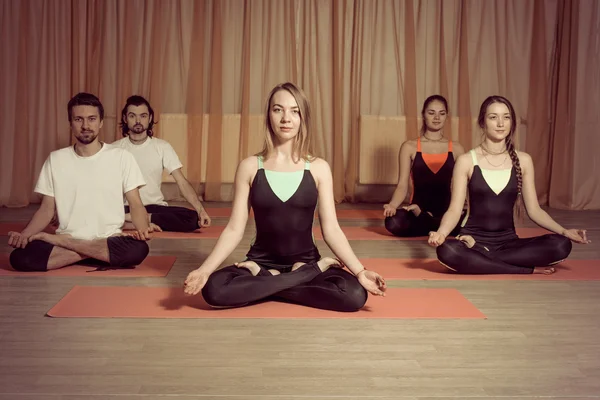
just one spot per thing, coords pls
(85, 99)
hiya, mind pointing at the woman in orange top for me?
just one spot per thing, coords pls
(428, 161)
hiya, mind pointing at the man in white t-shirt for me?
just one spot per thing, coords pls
(153, 155)
(85, 184)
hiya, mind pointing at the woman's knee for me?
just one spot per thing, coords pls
(356, 297)
(450, 253)
(214, 291)
(559, 246)
(211, 294)
(399, 224)
(353, 295)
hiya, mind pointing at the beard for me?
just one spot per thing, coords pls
(86, 137)
(137, 128)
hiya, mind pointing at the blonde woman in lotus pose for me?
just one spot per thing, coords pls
(284, 184)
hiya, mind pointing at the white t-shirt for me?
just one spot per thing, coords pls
(152, 156)
(89, 191)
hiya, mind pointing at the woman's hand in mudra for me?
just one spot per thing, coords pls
(372, 282)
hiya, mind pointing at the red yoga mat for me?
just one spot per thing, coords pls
(431, 269)
(171, 302)
(211, 232)
(205, 233)
(346, 213)
(18, 226)
(152, 266)
(351, 232)
(380, 233)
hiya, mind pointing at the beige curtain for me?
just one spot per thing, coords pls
(574, 142)
(208, 60)
(35, 85)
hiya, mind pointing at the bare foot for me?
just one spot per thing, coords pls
(250, 266)
(43, 236)
(324, 264)
(467, 240)
(128, 226)
(297, 265)
(544, 270)
(327, 262)
(274, 272)
(154, 227)
(49, 238)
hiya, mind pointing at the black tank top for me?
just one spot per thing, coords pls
(283, 228)
(431, 188)
(490, 216)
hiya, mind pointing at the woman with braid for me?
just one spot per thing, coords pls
(427, 161)
(498, 180)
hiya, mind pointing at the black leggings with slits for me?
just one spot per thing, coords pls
(172, 218)
(406, 224)
(334, 289)
(516, 256)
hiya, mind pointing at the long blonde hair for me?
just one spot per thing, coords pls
(303, 147)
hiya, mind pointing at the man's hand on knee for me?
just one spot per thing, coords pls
(203, 219)
(17, 240)
(142, 234)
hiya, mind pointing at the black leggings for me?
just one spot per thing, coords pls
(516, 256)
(334, 289)
(172, 218)
(407, 224)
(123, 252)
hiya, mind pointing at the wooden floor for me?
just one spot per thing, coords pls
(541, 340)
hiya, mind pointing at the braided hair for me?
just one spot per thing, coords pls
(510, 145)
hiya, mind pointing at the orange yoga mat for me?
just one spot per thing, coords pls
(153, 266)
(380, 233)
(341, 214)
(219, 212)
(364, 233)
(6, 227)
(171, 302)
(359, 214)
(431, 269)
(205, 233)
(212, 232)
(352, 232)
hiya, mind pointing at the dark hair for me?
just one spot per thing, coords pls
(136, 101)
(85, 99)
(509, 141)
(429, 100)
